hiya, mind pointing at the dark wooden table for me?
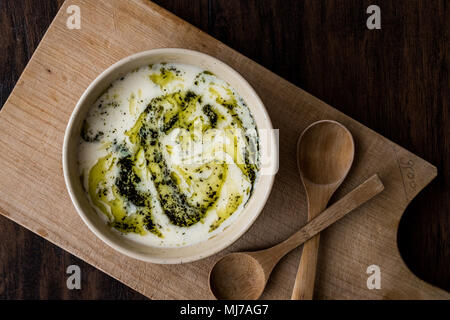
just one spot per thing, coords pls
(393, 80)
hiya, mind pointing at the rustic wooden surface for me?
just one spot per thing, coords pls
(395, 81)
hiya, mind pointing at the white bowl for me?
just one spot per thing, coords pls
(262, 187)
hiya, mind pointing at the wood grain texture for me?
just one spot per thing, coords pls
(309, 39)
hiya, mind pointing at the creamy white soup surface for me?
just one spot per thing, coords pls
(169, 155)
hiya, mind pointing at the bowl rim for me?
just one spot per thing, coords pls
(74, 198)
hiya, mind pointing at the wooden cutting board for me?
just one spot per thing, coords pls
(32, 190)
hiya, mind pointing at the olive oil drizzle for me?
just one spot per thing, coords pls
(115, 207)
(128, 207)
(181, 210)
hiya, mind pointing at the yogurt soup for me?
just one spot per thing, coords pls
(169, 155)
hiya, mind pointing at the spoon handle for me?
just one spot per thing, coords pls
(361, 194)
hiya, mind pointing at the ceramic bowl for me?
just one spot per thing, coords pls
(262, 187)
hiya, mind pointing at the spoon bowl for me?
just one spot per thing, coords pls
(325, 152)
(237, 276)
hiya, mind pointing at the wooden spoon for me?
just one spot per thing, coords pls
(325, 153)
(244, 275)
